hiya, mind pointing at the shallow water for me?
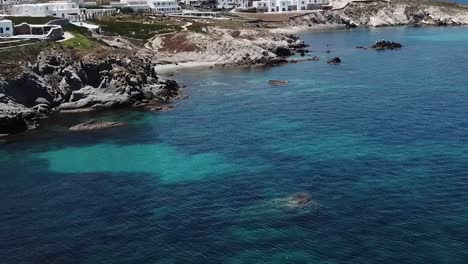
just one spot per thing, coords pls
(380, 143)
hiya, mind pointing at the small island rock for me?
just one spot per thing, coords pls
(335, 60)
(386, 45)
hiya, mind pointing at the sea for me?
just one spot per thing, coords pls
(378, 146)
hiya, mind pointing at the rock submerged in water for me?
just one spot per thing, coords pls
(386, 45)
(94, 125)
(335, 60)
(298, 200)
(277, 82)
(161, 108)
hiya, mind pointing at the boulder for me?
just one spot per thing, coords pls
(283, 51)
(95, 99)
(298, 44)
(41, 108)
(28, 88)
(335, 60)
(14, 117)
(72, 79)
(386, 45)
(41, 100)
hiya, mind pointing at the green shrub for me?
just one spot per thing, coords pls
(135, 30)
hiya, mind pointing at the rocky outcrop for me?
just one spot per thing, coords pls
(225, 47)
(386, 45)
(387, 13)
(14, 117)
(334, 61)
(56, 82)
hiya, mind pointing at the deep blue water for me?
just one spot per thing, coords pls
(379, 142)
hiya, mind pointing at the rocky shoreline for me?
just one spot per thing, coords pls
(65, 82)
(386, 13)
(221, 47)
(125, 76)
(58, 82)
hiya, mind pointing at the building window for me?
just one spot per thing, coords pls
(1, 30)
(7, 29)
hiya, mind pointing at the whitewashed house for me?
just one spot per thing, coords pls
(191, 2)
(6, 28)
(273, 6)
(262, 5)
(164, 6)
(228, 4)
(55, 9)
(136, 5)
(159, 6)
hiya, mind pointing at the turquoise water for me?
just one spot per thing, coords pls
(379, 142)
(458, 1)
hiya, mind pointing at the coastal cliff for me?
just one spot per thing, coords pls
(58, 82)
(387, 13)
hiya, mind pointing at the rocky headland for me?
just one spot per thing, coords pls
(216, 46)
(386, 13)
(61, 82)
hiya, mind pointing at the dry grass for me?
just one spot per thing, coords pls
(178, 43)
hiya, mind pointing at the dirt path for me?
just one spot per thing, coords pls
(184, 27)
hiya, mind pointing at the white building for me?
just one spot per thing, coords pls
(288, 5)
(6, 28)
(160, 6)
(191, 2)
(228, 4)
(55, 9)
(136, 5)
(164, 6)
